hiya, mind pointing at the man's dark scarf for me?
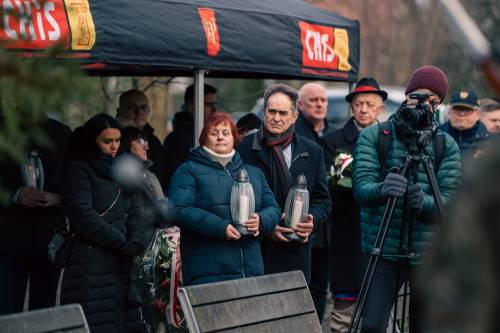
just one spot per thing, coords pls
(281, 178)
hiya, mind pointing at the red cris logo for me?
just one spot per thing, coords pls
(209, 23)
(34, 24)
(324, 47)
(40, 24)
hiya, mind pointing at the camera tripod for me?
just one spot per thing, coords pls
(409, 169)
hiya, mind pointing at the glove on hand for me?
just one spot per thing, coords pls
(416, 197)
(394, 186)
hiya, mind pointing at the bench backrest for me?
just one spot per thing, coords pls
(66, 318)
(270, 303)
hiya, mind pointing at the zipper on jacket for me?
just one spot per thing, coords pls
(242, 263)
(301, 155)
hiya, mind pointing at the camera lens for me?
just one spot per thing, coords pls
(416, 116)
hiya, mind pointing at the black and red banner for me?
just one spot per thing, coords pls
(228, 38)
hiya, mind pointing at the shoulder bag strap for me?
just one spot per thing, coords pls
(113, 203)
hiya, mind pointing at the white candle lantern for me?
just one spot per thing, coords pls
(296, 206)
(32, 171)
(242, 202)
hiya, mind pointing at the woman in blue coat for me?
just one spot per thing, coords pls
(211, 247)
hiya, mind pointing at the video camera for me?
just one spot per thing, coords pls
(416, 122)
(419, 116)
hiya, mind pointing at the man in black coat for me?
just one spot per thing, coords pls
(28, 219)
(366, 102)
(133, 110)
(312, 124)
(283, 155)
(177, 144)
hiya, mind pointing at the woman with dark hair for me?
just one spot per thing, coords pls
(106, 221)
(212, 249)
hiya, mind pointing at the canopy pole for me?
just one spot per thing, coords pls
(199, 103)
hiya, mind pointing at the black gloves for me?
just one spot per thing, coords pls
(416, 197)
(394, 186)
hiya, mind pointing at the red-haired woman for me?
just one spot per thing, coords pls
(211, 247)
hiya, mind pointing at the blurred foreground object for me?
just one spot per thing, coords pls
(131, 174)
(463, 270)
(475, 42)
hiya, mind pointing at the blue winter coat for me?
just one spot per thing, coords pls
(470, 141)
(200, 191)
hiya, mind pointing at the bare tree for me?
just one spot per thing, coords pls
(399, 36)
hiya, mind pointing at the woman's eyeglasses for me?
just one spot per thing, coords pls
(143, 143)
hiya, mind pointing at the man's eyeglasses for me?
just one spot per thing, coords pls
(144, 108)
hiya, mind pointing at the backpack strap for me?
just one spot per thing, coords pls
(438, 147)
(384, 140)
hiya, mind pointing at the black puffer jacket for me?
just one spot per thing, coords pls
(96, 274)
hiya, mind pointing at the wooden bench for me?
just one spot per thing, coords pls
(270, 303)
(67, 319)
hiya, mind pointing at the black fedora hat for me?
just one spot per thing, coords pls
(366, 85)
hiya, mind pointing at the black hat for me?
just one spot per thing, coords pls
(248, 122)
(366, 85)
(467, 98)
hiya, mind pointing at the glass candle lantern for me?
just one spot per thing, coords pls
(242, 201)
(296, 206)
(32, 171)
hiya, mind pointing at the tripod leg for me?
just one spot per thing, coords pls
(406, 292)
(429, 170)
(395, 327)
(372, 265)
(375, 255)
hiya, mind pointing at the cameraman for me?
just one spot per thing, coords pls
(373, 187)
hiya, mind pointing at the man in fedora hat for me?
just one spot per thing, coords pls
(465, 126)
(367, 103)
(373, 184)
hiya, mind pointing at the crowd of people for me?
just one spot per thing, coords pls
(349, 174)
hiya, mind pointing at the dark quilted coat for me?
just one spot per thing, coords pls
(367, 182)
(24, 230)
(95, 276)
(200, 190)
(470, 141)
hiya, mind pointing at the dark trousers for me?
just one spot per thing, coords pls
(320, 276)
(388, 279)
(14, 275)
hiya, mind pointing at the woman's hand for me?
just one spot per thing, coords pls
(232, 233)
(304, 230)
(253, 224)
(277, 234)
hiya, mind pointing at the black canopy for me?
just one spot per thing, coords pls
(227, 38)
